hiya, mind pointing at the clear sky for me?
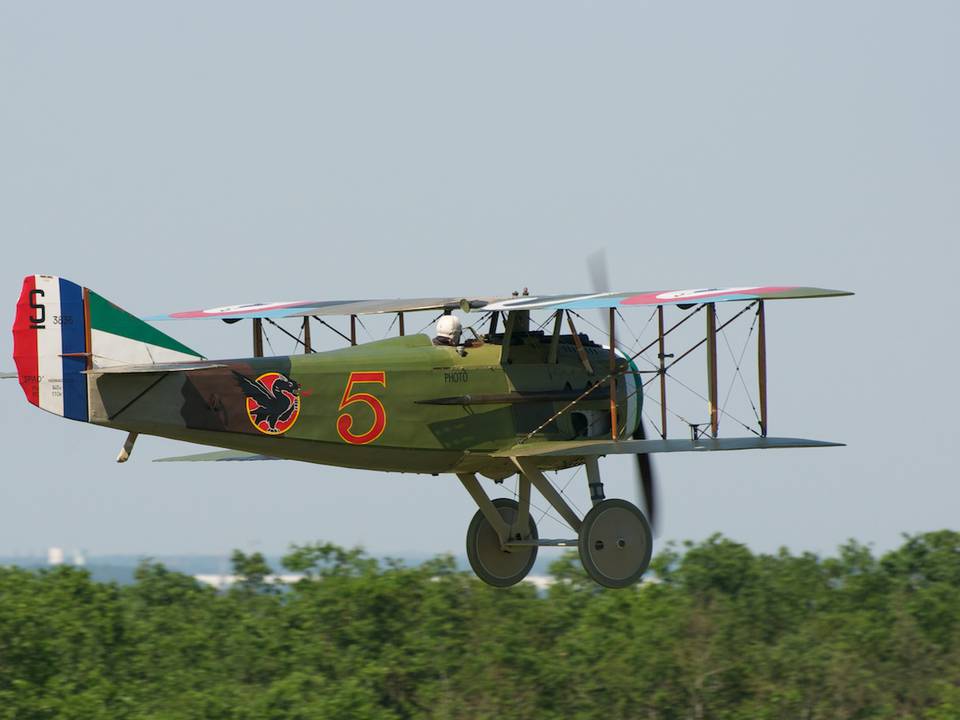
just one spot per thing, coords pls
(175, 155)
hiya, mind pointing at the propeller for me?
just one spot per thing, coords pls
(600, 280)
(646, 480)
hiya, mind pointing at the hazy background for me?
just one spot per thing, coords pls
(182, 155)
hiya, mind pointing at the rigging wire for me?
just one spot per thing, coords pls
(546, 512)
(625, 349)
(472, 327)
(549, 318)
(369, 334)
(651, 398)
(564, 489)
(636, 337)
(266, 337)
(330, 327)
(609, 375)
(393, 322)
(738, 374)
(299, 340)
(722, 412)
(429, 323)
(296, 338)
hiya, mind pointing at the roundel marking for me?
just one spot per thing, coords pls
(277, 410)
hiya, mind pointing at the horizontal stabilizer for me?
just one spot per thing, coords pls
(218, 456)
(577, 448)
(154, 368)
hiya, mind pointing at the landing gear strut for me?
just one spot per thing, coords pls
(614, 539)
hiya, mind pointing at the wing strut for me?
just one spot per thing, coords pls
(614, 434)
(663, 374)
(762, 366)
(712, 405)
(579, 345)
(257, 337)
(507, 342)
(553, 355)
(307, 345)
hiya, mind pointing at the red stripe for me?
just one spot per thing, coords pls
(667, 297)
(25, 343)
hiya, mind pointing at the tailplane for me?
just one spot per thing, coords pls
(62, 330)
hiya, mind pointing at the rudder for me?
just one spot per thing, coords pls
(62, 330)
(50, 345)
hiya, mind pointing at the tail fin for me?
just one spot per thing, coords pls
(61, 330)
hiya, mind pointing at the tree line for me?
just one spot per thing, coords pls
(720, 632)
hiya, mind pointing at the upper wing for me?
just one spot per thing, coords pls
(662, 297)
(300, 308)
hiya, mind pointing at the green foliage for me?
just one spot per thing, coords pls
(718, 632)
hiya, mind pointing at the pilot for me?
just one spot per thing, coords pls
(448, 331)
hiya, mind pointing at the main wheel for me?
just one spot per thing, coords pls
(615, 543)
(500, 568)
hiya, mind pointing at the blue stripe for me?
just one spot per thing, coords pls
(73, 334)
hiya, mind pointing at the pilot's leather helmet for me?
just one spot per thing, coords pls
(449, 328)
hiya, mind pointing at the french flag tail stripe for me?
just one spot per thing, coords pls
(73, 336)
(62, 330)
(50, 345)
(25, 341)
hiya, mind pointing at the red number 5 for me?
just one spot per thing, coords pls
(345, 420)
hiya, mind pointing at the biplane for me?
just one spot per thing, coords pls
(510, 399)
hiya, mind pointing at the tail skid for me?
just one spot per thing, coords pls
(62, 330)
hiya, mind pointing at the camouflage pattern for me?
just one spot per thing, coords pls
(419, 434)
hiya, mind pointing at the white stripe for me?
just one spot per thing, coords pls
(533, 302)
(701, 292)
(111, 350)
(49, 347)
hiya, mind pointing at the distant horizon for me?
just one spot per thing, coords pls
(410, 557)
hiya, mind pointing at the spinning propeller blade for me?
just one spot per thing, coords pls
(646, 479)
(597, 267)
(599, 280)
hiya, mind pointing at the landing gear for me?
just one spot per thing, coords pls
(490, 561)
(615, 543)
(614, 538)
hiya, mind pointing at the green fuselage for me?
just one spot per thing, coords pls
(439, 411)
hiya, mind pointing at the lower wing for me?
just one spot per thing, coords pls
(579, 448)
